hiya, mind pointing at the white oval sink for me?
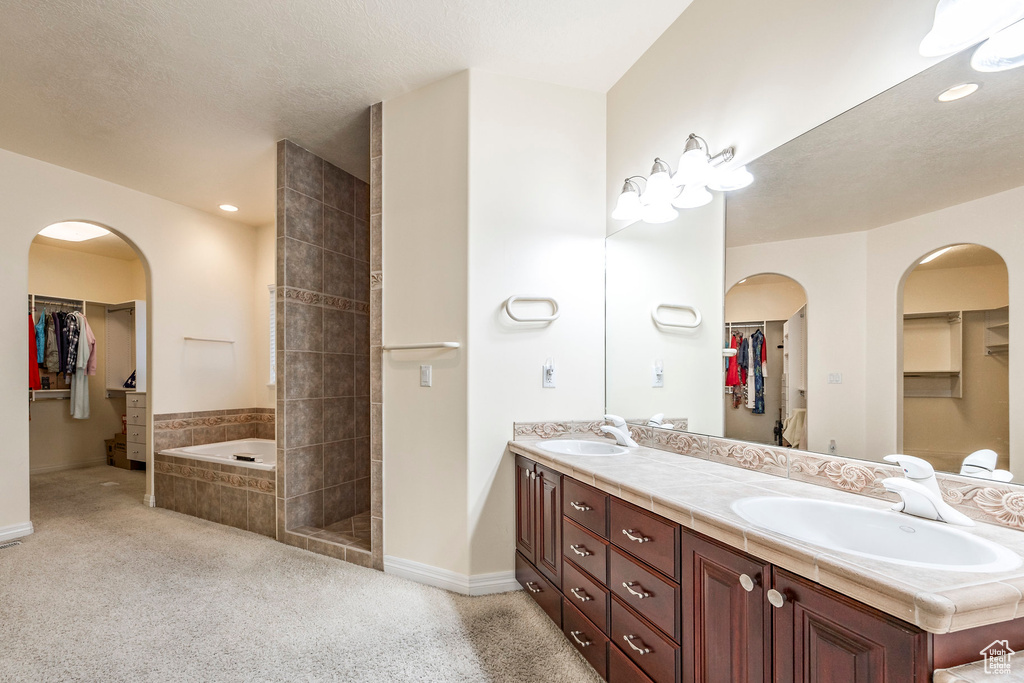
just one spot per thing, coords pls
(581, 447)
(879, 534)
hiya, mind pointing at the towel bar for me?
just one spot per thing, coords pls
(677, 307)
(539, 319)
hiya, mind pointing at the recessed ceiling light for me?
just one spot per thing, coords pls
(230, 208)
(73, 231)
(958, 92)
(934, 255)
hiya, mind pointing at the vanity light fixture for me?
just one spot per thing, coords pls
(230, 208)
(962, 23)
(687, 188)
(934, 255)
(958, 92)
(73, 231)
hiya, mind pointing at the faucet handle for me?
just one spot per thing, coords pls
(915, 468)
(616, 421)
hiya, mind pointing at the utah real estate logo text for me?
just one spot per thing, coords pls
(997, 657)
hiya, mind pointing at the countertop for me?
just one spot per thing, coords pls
(698, 494)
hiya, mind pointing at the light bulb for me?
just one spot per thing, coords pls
(693, 168)
(723, 180)
(962, 23)
(628, 206)
(691, 197)
(1001, 52)
(659, 213)
(660, 189)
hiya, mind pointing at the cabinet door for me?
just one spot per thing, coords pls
(725, 615)
(821, 636)
(549, 524)
(526, 506)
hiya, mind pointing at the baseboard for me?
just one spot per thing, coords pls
(479, 584)
(149, 501)
(80, 464)
(9, 533)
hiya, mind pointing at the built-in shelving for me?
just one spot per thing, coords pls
(933, 354)
(997, 331)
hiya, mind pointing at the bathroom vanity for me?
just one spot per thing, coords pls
(652, 577)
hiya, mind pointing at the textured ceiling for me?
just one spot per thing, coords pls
(184, 99)
(898, 155)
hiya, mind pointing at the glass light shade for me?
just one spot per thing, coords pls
(692, 196)
(1001, 52)
(732, 179)
(693, 169)
(660, 189)
(628, 206)
(659, 213)
(962, 23)
(73, 231)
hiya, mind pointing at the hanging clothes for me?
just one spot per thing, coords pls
(52, 354)
(41, 338)
(85, 351)
(732, 375)
(73, 332)
(34, 381)
(757, 345)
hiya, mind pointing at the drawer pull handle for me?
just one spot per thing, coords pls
(582, 598)
(746, 582)
(532, 587)
(628, 585)
(582, 507)
(576, 636)
(639, 539)
(776, 598)
(642, 650)
(581, 553)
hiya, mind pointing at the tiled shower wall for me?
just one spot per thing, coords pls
(323, 343)
(376, 320)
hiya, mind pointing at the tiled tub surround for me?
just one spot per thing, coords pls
(376, 323)
(234, 495)
(689, 484)
(323, 361)
(176, 430)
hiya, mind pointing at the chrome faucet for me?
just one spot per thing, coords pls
(919, 492)
(619, 431)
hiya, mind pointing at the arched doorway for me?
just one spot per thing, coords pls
(89, 378)
(766, 381)
(955, 358)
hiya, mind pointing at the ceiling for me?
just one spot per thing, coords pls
(964, 256)
(184, 99)
(898, 155)
(109, 245)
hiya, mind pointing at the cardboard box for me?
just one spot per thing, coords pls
(117, 453)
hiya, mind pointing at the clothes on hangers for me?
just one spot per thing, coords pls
(759, 362)
(73, 330)
(85, 354)
(34, 381)
(52, 354)
(732, 375)
(40, 328)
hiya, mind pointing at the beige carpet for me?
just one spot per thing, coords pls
(109, 590)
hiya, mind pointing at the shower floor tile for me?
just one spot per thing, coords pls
(354, 531)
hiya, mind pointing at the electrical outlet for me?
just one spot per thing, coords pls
(658, 375)
(835, 378)
(832, 447)
(548, 375)
(426, 376)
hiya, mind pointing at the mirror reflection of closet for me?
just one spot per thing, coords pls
(955, 360)
(766, 318)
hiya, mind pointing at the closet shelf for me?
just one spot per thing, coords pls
(48, 394)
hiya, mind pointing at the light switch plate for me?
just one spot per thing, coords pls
(547, 377)
(426, 375)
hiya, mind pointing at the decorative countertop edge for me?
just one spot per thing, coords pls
(960, 605)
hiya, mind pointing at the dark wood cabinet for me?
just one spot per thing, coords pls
(821, 636)
(539, 517)
(726, 616)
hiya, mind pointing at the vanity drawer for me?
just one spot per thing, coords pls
(622, 670)
(136, 434)
(645, 591)
(586, 595)
(539, 588)
(135, 400)
(585, 549)
(137, 451)
(648, 649)
(586, 505)
(136, 416)
(653, 539)
(585, 637)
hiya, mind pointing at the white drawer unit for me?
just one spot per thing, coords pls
(138, 430)
(136, 416)
(137, 451)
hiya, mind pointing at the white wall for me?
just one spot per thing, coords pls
(200, 283)
(75, 274)
(648, 265)
(512, 173)
(264, 274)
(536, 226)
(861, 294)
(425, 245)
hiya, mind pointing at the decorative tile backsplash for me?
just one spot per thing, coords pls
(984, 501)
